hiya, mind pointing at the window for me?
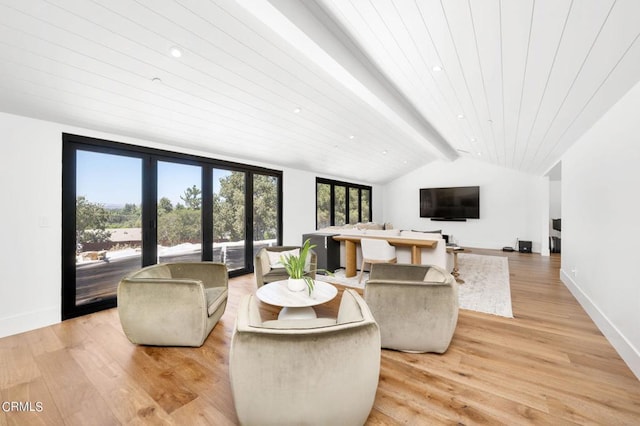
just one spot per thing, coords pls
(339, 203)
(266, 226)
(125, 207)
(323, 205)
(229, 217)
(179, 231)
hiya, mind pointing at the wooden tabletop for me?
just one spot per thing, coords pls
(396, 241)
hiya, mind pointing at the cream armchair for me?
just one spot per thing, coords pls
(266, 269)
(416, 306)
(315, 372)
(172, 304)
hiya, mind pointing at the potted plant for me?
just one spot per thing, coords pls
(295, 267)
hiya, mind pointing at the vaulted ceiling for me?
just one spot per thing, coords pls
(365, 90)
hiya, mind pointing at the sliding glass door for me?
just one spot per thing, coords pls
(179, 212)
(229, 218)
(126, 207)
(107, 223)
(266, 212)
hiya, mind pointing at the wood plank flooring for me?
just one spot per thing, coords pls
(548, 365)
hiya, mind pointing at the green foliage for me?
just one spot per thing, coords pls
(294, 265)
(359, 203)
(265, 207)
(91, 221)
(353, 205)
(130, 216)
(182, 222)
(179, 226)
(323, 200)
(340, 204)
(192, 198)
(365, 200)
(164, 206)
(229, 209)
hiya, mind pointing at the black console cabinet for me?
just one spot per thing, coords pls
(327, 249)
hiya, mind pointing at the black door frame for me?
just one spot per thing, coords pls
(150, 157)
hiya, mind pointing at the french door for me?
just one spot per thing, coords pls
(126, 207)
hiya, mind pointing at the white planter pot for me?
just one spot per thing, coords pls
(296, 284)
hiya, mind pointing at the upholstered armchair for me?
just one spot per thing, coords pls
(172, 304)
(267, 266)
(416, 306)
(318, 371)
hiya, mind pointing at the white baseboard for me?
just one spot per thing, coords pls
(29, 321)
(625, 349)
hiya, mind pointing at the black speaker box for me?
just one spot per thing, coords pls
(524, 246)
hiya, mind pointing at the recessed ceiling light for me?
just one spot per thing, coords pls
(351, 137)
(437, 68)
(297, 110)
(460, 116)
(175, 51)
(384, 152)
(479, 154)
(473, 140)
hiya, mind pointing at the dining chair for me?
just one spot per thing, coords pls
(376, 251)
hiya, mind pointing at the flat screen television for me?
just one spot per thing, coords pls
(462, 202)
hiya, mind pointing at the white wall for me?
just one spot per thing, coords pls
(300, 204)
(555, 199)
(555, 205)
(600, 226)
(31, 176)
(512, 204)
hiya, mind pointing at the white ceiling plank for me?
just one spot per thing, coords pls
(516, 28)
(463, 34)
(582, 28)
(549, 19)
(530, 76)
(622, 77)
(486, 21)
(622, 26)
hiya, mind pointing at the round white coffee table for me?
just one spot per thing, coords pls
(296, 304)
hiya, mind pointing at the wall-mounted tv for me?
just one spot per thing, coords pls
(462, 202)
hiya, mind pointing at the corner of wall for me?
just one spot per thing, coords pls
(29, 321)
(629, 354)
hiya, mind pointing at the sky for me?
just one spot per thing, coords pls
(115, 180)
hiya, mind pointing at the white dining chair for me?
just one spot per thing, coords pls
(376, 251)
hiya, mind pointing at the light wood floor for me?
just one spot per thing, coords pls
(548, 365)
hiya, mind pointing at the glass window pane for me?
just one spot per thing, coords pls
(265, 211)
(365, 200)
(108, 223)
(179, 212)
(323, 203)
(354, 198)
(229, 218)
(340, 206)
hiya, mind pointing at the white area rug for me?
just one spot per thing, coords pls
(485, 289)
